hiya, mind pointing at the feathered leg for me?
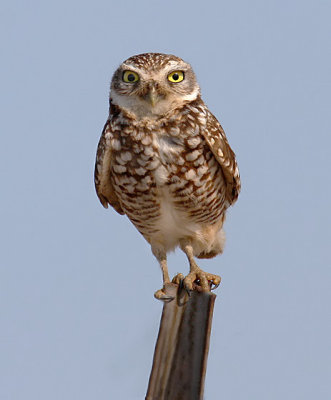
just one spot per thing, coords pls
(161, 257)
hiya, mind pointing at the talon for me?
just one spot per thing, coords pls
(213, 285)
(161, 295)
(214, 281)
(188, 282)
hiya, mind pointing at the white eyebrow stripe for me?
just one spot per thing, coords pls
(173, 64)
(131, 67)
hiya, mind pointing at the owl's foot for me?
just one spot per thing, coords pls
(197, 279)
(161, 295)
(202, 279)
(178, 279)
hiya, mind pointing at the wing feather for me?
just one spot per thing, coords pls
(218, 143)
(102, 173)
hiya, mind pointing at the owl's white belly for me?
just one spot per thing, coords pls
(173, 224)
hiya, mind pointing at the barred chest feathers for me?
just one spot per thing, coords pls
(165, 176)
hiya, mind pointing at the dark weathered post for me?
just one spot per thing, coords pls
(181, 351)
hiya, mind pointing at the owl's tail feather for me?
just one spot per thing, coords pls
(211, 254)
(214, 247)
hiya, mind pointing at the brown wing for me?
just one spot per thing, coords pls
(102, 172)
(218, 143)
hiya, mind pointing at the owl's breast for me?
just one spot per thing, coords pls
(166, 180)
(147, 158)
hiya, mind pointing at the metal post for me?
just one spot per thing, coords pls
(181, 351)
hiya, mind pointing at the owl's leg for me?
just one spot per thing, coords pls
(161, 257)
(197, 275)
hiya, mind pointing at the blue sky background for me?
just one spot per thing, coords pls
(77, 315)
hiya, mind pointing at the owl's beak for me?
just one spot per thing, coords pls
(152, 96)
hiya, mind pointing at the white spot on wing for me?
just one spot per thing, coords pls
(119, 169)
(116, 144)
(126, 156)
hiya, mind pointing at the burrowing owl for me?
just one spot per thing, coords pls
(163, 160)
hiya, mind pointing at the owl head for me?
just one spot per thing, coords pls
(151, 85)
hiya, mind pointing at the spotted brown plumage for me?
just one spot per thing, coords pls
(164, 160)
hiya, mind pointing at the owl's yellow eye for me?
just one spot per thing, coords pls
(130, 76)
(176, 76)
